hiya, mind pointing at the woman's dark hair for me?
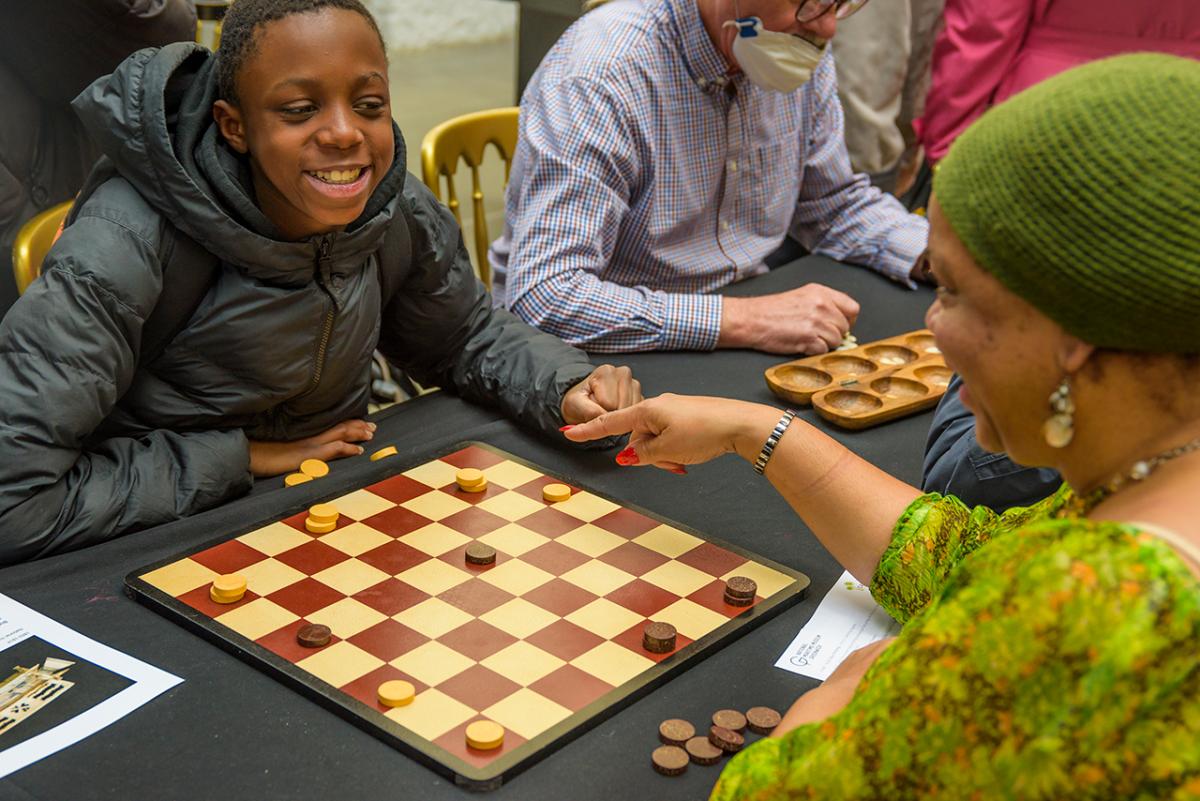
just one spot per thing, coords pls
(240, 28)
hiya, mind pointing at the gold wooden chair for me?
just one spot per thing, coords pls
(465, 138)
(34, 241)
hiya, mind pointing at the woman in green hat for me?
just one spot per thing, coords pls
(1051, 651)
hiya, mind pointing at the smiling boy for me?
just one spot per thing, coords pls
(279, 162)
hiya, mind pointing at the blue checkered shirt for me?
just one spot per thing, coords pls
(644, 180)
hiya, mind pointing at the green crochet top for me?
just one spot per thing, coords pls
(1040, 658)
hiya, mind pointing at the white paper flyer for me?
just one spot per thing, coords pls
(847, 619)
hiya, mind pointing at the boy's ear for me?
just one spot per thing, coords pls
(229, 121)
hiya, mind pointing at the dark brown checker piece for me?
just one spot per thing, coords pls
(733, 600)
(729, 719)
(741, 587)
(676, 732)
(702, 751)
(401, 501)
(669, 760)
(762, 719)
(659, 637)
(727, 740)
(314, 635)
(480, 554)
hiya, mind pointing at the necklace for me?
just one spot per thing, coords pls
(1140, 470)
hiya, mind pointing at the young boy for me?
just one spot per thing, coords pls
(279, 162)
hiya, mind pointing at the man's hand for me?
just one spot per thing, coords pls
(810, 319)
(273, 458)
(608, 388)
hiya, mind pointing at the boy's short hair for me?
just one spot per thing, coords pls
(238, 40)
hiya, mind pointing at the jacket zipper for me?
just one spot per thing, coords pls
(322, 277)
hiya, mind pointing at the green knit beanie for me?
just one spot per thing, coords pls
(1082, 196)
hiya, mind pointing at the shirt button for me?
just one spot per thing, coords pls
(732, 165)
(724, 225)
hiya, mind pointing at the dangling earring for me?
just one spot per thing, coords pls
(1059, 429)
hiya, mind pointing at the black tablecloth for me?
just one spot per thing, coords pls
(229, 731)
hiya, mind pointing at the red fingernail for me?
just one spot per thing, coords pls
(679, 471)
(566, 428)
(627, 457)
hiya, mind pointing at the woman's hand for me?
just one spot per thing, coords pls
(671, 431)
(832, 696)
(273, 458)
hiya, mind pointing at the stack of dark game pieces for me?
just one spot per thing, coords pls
(681, 744)
(740, 591)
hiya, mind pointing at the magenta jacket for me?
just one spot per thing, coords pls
(991, 49)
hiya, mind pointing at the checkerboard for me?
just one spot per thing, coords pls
(546, 642)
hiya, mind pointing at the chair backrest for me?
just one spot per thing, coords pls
(464, 139)
(34, 241)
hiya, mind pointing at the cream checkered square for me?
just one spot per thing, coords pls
(513, 539)
(769, 581)
(350, 576)
(677, 577)
(431, 714)
(586, 506)
(511, 505)
(509, 474)
(435, 505)
(516, 577)
(432, 663)
(361, 504)
(433, 617)
(519, 618)
(179, 577)
(256, 619)
(433, 474)
(527, 713)
(523, 663)
(274, 539)
(597, 577)
(340, 663)
(347, 617)
(612, 663)
(691, 619)
(355, 538)
(604, 618)
(433, 577)
(434, 539)
(269, 575)
(668, 541)
(591, 540)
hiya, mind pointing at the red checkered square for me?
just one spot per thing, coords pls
(312, 557)
(712, 596)
(455, 741)
(473, 456)
(642, 597)
(228, 557)
(390, 596)
(565, 640)
(305, 596)
(712, 559)
(397, 521)
(366, 688)
(550, 523)
(554, 558)
(632, 639)
(458, 558)
(393, 557)
(571, 687)
(398, 489)
(560, 597)
(473, 498)
(633, 558)
(476, 597)
(626, 522)
(477, 640)
(474, 522)
(388, 639)
(478, 687)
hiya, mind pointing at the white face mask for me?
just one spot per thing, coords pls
(777, 61)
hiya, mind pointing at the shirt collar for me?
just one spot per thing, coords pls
(704, 64)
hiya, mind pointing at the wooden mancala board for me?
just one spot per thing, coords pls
(869, 384)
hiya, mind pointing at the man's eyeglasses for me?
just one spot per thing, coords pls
(810, 10)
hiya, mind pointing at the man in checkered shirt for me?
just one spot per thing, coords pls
(651, 171)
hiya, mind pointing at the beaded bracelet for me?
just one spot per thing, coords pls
(764, 456)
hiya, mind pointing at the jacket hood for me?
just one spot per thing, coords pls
(153, 118)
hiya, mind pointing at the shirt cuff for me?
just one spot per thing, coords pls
(903, 247)
(690, 322)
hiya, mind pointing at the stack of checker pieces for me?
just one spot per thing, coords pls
(547, 640)
(866, 385)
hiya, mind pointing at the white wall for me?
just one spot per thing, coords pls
(415, 24)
